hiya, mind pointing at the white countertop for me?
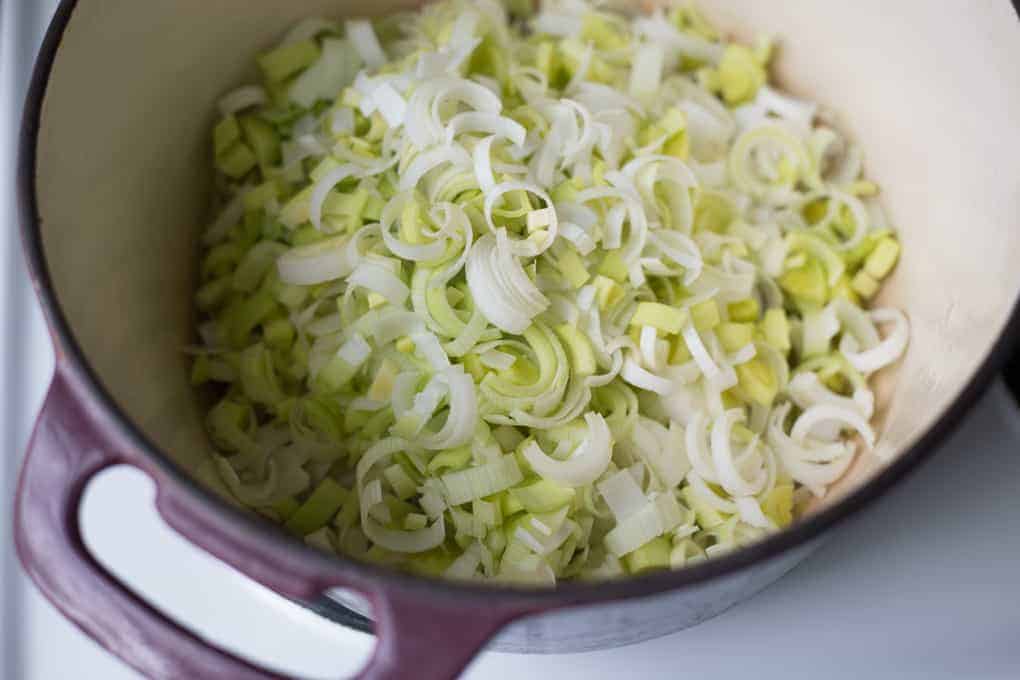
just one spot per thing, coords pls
(925, 585)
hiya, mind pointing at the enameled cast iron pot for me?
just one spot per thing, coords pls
(113, 186)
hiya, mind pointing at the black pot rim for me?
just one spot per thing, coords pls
(71, 358)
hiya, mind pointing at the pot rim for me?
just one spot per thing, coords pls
(71, 358)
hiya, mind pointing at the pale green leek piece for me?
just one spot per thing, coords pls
(528, 296)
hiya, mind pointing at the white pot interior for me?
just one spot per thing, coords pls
(123, 177)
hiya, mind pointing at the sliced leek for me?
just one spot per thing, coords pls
(573, 295)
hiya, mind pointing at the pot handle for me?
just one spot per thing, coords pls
(428, 639)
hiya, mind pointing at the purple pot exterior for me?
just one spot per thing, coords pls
(426, 629)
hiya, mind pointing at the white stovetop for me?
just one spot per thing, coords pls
(925, 585)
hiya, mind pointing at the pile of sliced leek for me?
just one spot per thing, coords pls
(523, 296)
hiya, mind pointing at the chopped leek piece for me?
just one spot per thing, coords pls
(778, 505)
(287, 60)
(285, 508)
(452, 459)
(844, 288)
(740, 74)
(613, 267)
(572, 267)
(744, 310)
(263, 140)
(258, 376)
(679, 352)
(510, 505)
(579, 349)
(651, 556)
(320, 507)
(542, 496)
(212, 294)
(734, 336)
(758, 381)
(865, 285)
(776, 329)
(602, 31)
(665, 318)
(259, 197)
(237, 161)
(882, 259)
(705, 315)
(226, 134)
(484, 480)
(807, 283)
(403, 486)
(671, 132)
(278, 333)
(607, 291)
(708, 516)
